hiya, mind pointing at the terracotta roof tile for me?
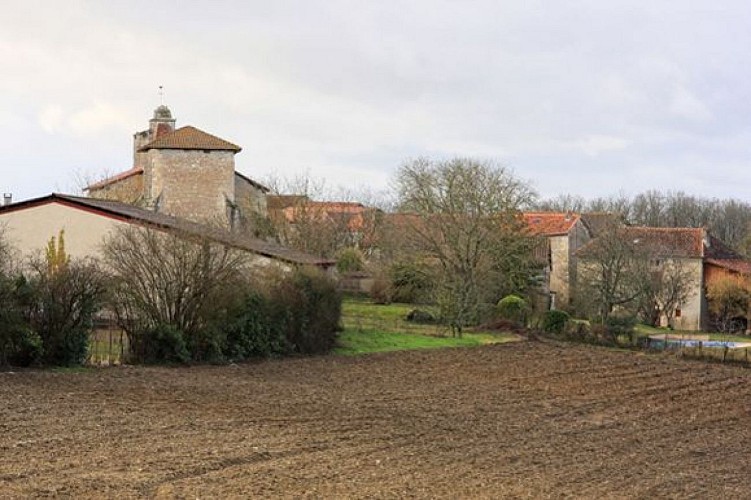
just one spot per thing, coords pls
(191, 138)
(550, 223)
(741, 266)
(598, 222)
(279, 201)
(682, 242)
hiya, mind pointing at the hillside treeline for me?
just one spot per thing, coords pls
(727, 219)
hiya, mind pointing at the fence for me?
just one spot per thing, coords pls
(722, 351)
(108, 345)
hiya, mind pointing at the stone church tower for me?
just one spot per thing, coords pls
(186, 173)
(161, 124)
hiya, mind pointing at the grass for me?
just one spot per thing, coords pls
(366, 308)
(370, 328)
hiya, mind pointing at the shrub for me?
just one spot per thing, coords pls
(420, 316)
(60, 302)
(163, 343)
(380, 291)
(513, 308)
(578, 330)
(253, 331)
(19, 344)
(554, 321)
(307, 307)
(350, 260)
(48, 316)
(411, 282)
(729, 297)
(174, 279)
(620, 324)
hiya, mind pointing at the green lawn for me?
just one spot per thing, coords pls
(370, 327)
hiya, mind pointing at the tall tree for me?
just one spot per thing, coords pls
(466, 220)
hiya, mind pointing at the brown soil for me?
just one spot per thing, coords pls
(524, 419)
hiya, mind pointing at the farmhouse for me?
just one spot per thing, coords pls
(698, 254)
(182, 180)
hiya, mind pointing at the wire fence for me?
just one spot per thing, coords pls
(703, 348)
(108, 345)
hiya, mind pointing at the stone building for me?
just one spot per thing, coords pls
(561, 235)
(184, 172)
(182, 180)
(702, 257)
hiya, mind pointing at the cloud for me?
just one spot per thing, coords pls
(90, 120)
(563, 93)
(686, 105)
(51, 118)
(593, 145)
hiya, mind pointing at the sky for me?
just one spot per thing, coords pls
(589, 98)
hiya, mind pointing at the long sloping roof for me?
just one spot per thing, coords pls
(138, 215)
(599, 222)
(189, 137)
(115, 178)
(679, 242)
(253, 183)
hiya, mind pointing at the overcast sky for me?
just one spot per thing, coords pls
(581, 97)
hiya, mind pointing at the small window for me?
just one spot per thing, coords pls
(678, 312)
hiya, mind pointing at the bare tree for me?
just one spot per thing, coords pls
(612, 272)
(303, 221)
(465, 213)
(636, 270)
(172, 279)
(729, 299)
(667, 284)
(563, 203)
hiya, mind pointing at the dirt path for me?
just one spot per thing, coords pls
(527, 419)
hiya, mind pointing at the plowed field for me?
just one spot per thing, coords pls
(517, 420)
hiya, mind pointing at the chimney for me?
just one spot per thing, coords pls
(7, 198)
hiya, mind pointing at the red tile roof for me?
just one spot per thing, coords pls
(115, 178)
(683, 242)
(191, 138)
(741, 266)
(352, 214)
(669, 241)
(550, 223)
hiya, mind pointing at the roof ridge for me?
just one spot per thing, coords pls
(190, 137)
(117, 177)
(662, 228)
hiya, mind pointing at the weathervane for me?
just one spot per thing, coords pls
(161, 95)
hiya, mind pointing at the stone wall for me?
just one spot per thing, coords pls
(563, 262)
(193, 184)
(693, 310)
(249, 198)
